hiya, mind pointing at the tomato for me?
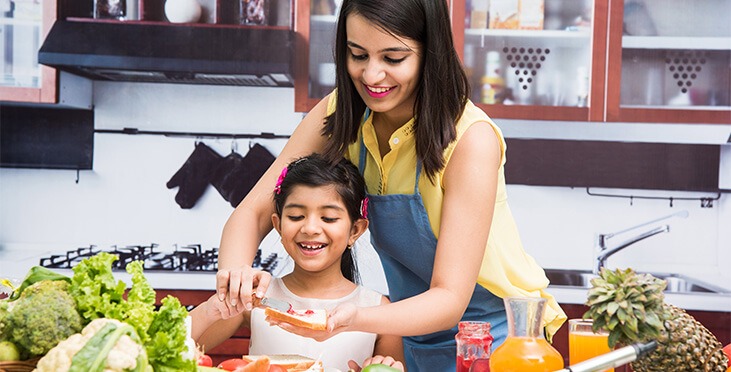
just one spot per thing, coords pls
(232, 364)
(205, 360)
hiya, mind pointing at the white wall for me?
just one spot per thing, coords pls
(124, 200)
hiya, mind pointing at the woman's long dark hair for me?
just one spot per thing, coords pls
(315, 171)
(442, 91)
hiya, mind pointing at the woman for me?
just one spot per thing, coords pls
(433, 164)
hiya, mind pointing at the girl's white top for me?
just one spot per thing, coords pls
(334, 352)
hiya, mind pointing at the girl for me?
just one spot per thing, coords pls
(320, 212)
(434, 169)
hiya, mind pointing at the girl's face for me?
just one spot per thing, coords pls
(315, 228)
(385, 69)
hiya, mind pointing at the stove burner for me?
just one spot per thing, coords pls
(184, 258)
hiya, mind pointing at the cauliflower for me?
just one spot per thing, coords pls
(42, 316)
(105, 345)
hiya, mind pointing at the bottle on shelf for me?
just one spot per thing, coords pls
(493, 83)
(582, 87)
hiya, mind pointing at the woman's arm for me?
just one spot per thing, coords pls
(389, 345)
(251, 221)
(470, 183)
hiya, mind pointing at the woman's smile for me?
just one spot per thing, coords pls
(378, 92)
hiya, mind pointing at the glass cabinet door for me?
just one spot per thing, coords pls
(23, 25)
(675, 61)
(316, 78)
(536, 54)
(20, 39)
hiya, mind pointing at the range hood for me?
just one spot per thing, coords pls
(217, 55)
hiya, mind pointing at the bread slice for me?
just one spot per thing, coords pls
(313, 319)
(291, 362)
(258, 365)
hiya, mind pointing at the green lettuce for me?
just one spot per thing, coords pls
(162, 332)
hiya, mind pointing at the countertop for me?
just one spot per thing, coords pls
(15, 264)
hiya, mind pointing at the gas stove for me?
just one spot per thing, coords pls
(185, 258)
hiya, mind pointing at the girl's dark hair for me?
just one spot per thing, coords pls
(315, 171)
(441, 93)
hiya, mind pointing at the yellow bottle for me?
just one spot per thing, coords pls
(493, 83)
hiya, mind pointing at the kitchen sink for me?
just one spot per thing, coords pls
(677, 283)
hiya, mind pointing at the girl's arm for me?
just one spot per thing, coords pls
(470, 183)
(214, 322)
(251, 221)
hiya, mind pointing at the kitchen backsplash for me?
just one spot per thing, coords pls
(124, 199)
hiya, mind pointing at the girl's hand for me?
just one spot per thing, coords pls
(338, 320)
(236, 285)
(377, 359)
(217, 309)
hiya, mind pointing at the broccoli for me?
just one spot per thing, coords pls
(43, 315)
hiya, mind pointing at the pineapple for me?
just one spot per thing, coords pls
(631, 307)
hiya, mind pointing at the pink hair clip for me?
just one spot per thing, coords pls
(364, 208)
(278, 186)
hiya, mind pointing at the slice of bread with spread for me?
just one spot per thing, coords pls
(291, 362)
(313, 319)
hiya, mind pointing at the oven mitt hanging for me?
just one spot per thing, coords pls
(222, 178)
(237, 176)
(193, 177)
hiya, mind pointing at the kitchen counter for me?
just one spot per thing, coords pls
(15, 263)
(694, 301)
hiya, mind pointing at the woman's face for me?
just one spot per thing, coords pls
(315, 227)
(385, 69)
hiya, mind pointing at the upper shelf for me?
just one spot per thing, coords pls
(674, 42)
(554, 37)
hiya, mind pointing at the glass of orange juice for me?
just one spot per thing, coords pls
(584, 343)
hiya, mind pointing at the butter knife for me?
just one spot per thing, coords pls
(276, 304)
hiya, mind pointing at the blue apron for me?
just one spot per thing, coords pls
(402, 236)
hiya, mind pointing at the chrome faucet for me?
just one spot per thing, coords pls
(604, 252)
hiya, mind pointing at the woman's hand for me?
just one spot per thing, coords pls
(235, 286)
(377, 359)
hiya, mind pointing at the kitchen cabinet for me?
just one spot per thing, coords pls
(213, 13)
(673, 60)
(23, 26)
(315, 70)
(718, 322)
(572, 60)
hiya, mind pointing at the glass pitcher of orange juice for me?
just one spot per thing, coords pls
(525, 349)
